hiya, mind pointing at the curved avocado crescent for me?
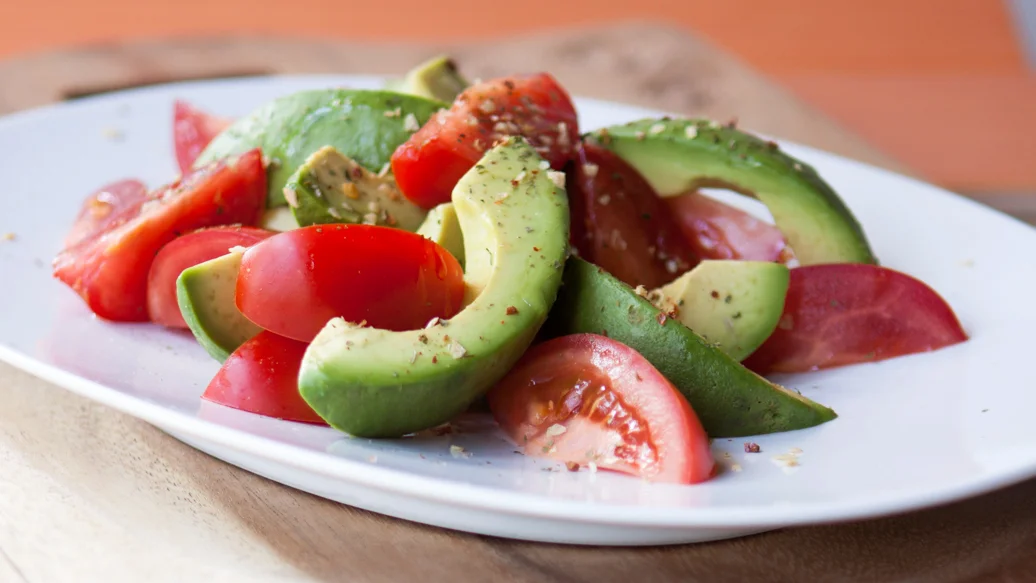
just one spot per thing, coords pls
(680, 155)
(378, 383)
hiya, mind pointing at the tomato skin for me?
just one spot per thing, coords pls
(841, 314)
(187, 251)
(193, 129)
(614, 407)
(295, 281)
(110, 270)
(621, 224)
(108, 207)
(716, 230)
(261, 377)
(430, 163)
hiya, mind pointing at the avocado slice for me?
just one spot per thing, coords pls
(205, 293)
(442, 226)
(680, 155)
(365, 125)
(730, 400)
(278, 219)
(331, 188)
(735, 305)
(378, 383)
(436, 78)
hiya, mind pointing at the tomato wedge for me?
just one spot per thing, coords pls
(716, 230)
(193, 129)
(585, 398)
(840, 314)
(111, 205)
(188, 251)
(294, 282)
(621, 224)
(428, 166)
(261, 377)
(110, 270)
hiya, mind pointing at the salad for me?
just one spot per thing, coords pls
(381, 261)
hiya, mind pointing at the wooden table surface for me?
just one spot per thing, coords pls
(90, 494)
(943, 85)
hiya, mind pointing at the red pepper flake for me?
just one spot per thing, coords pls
(715, 295)
(752, 447)
(536, 249)
(511, 310)
(572, 466)
(661, 319)
(435, 359)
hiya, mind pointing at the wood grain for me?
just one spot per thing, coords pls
(643, 64)
(89, 494)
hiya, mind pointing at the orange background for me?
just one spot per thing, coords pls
(941, 84)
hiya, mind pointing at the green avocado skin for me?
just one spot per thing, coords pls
(383, 407)
(205, 293)
(289, 129)
(680, 155)
(514, 219)
(729, 399)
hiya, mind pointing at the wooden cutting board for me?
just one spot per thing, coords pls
(90, 494)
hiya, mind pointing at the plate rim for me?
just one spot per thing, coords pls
(460, 494)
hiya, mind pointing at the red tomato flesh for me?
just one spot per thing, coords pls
(621, 224)
(193, 129)
(716, 230)
(430, 163)
(587, 398)
(261, 377)
(841, 314)
(188, 251)
(294, 282)
(110, 270)
(112, 205)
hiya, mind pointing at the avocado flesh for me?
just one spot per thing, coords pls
(278, 219)
(436, 78)
(734, 305)
(680, 155)
(378, 383)
(367, 126)
(442, 226)
(729, 399)
(205, 293)
(331, 188)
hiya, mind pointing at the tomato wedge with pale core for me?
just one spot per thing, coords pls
(188, 251)
(621, 224)
(586, 398)
(110, 270)
(112, 205)
(193, 129)
(261, 377)
(430, 163)
(294, 282)
(716, 230)
(840, 314)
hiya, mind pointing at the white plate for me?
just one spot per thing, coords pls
(913, 432)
